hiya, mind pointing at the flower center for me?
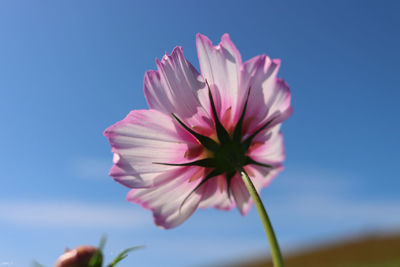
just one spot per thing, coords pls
(229, 157)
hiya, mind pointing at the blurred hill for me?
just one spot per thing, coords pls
(366, 251)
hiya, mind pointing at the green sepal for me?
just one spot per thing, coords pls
(207, 142)
(212, 174)
(223, 135)
(246, 143)
(237, 133)
(252, 161)
(207, 162)
(229, 177)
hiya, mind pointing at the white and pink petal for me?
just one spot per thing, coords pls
(269, 151)
(220, 66)
(141, 141)
(270, 96)
(260, 177)
(175, 88)
(166, 201)
(240, 194)
(216, 194)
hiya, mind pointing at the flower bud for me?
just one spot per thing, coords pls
(78, 257)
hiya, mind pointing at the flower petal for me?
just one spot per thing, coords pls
(271, 149)
(270, 96)
(220, 65)
(142, 139)
(175, 87)
(260, 178)
(166, 200)
(216, 195)
(241, 194)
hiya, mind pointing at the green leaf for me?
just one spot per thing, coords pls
(123, 255)
(102, 242)
(37, 264)
(97, 259)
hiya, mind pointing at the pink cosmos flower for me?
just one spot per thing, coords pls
(186, 151)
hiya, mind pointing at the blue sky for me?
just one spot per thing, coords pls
(70, 69)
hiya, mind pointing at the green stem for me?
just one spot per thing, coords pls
(275, 251)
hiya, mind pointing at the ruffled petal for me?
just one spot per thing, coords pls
(260, 178)
(140, 141)
(241, 194)
(216, 195)
(220, 65)
(175, 88)
(268, 148)
(270, 96)
(165, 201)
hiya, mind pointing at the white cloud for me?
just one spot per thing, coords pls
(331, 209)
(67, 214)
